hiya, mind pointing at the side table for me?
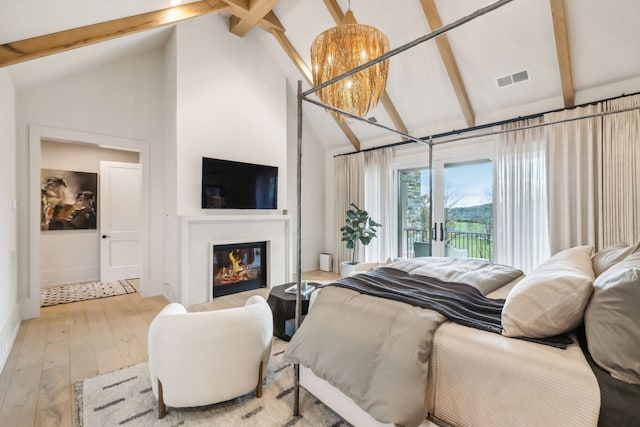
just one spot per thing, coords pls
(283, 307)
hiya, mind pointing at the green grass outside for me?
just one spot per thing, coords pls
(477, 247)
(469, 227)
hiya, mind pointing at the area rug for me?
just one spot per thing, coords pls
(84, 291)
(124, 398)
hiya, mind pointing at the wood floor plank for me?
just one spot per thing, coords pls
(131, 349)
(54, 386)
(20, 403)
(60, 414)
(9, 415)
(56, 353)
(108, 359)
(58, 327)
(30, 358)
(28, 412)
(35, 338)
(83, 363)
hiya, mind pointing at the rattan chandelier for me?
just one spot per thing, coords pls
(341, 49)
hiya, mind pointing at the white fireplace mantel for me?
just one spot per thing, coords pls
(198, 233)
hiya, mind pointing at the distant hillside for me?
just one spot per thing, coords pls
(478, 213)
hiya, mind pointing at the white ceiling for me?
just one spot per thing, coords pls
(603, 39)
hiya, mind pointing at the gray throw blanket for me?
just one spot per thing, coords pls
(459, 302)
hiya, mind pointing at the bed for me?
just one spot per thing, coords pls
(380, 361)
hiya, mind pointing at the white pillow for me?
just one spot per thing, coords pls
(551, 299)
(370, 266)
(610, 256)
(612, 320)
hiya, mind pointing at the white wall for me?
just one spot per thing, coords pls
(81, 260)
(231, 104)
(170, 167)
(9, 312)
(122, 100)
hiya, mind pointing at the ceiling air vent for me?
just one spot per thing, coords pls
(519, 77)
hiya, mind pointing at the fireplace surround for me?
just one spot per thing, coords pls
(199, 233)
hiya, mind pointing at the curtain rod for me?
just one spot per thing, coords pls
(502, 122)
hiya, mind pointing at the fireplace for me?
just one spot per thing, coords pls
(239, 267)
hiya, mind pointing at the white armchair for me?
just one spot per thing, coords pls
(207, 357)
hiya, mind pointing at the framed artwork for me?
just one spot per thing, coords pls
(69, 200)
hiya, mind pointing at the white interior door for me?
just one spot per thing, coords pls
(119, 206)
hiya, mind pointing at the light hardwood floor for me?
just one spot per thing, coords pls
(70, 342)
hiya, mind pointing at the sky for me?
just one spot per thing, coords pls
(471, 182)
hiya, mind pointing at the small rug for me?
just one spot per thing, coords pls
(124, 398)
(84, 291)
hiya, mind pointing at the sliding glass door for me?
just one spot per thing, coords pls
(460, 225)
(414, 198)
(463, 209)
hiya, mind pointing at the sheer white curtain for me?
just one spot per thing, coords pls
(349, 189)
(574, 177)
(378, 184)
(621, 172)
(522, 235)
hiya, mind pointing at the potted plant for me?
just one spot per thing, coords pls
(359, 227)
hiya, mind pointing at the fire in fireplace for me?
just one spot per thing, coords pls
(239, 267)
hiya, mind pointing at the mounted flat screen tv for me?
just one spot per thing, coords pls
(237, 185)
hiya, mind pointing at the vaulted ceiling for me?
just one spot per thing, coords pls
(571, 51)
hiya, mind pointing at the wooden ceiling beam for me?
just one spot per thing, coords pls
(257, 10)
(293, 54)
(558, 12)
(306, 72)
(36, 47)
(241, 9)
(338, 15)
(449, 61)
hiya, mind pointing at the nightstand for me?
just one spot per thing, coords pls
(283, 307)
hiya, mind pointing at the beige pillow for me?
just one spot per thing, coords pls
(608, 257)
(362, 267)
(612, 320)
(551, 299)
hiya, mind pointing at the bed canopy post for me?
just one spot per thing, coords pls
(296, 367)
(432, 234)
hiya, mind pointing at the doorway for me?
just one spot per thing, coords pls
(70, 245)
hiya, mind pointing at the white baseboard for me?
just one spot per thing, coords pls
(170, 292)
(74, 275)
(8, 335)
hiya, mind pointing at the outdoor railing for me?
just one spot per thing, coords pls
(478, 245)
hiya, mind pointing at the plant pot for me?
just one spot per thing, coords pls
(346, 268)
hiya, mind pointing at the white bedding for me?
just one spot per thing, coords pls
(478, 378)
(484, 379)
